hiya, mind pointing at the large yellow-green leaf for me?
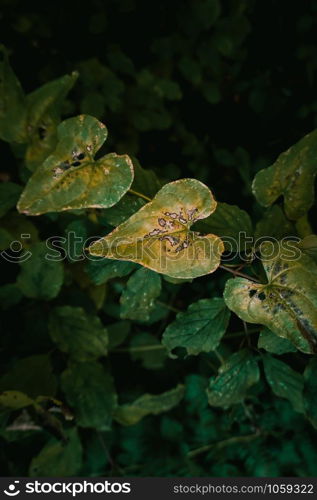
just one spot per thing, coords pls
(70, 178)
(286, 304)
(148, 404)
(44, 107)
(292, 175)
(158, 236)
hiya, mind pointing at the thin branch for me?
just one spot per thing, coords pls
(238, 273)
(140, 195)
(142, 348)
(222, 444)
(242, 333)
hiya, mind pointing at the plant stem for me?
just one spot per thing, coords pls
(242, 332)
(140, 195)
(142, 348)
(221, 444)
(238, 273)
(167, 306)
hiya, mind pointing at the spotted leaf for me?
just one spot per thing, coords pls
(158, 236)
(71, 178)
(287, 303)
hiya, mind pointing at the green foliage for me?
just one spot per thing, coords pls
(146, 329)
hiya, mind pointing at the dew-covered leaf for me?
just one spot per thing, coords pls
(138, 298)
(272, 343)
(70, 178)
(58, 458)
(310, 391)
(284, 381)
(81, 335)
(292, 175)
(158, 236)
(287, 303)
(44, 107)
(235, 377)
(91, 394)
(148, 404)
(231, 223)
(12, 103)
(40, 277)
(200, 328)
(9, 195)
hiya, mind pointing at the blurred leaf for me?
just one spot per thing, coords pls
(147, 349)
(235, 377)
(90, 392)
(309, 246)
(148, 404)
(9, 195)
(292, 175)
(200, 328)
(70, 178)
(310, 390)
(10, 295)
(286, 304)
(158, 236)
(274, 344)
(14, 400)
(58, 459)
(77, 333)
(138, 298)
(284, 381)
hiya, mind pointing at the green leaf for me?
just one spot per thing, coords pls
(145, 181)
(14, 400)
(119, 213)
(200, 328)
(147, 349)
(90, 392)
(287, 303)
(230, 223)
(40, 278)
(70, 178)
(138, 298)
(272, 343)
(284, 381)
(148, 404)
(9, 195)
(158, 236)
(58, 459)
(102, 270)
(10, 295)
(44, 113)
(274, 224)
(12, 103)
(310, 391)
(118, 332)
(238, 373)
(32, 376)
(292, 175)
(309, 246)
(77, 333)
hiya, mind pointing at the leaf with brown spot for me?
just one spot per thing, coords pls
(287, 303)
(70, 178)
(158, 236)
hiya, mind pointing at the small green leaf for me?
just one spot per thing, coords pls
(90, 392)
(274, 344)
(9, 195)
(81, 335)
(58, 459)
(12, 103)
(287, 303)
(102, 270)
(158, 236)
(15, 400)
(284, 381)
(138, 298)
(230, 223)
(234, 378)
(200, 328)
(44, 113)
(310, 391)
(40, 278)
(292, 175)
(32, 376)
(148, 404)
(70, 178)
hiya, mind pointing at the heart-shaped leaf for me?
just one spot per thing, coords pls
(286, 304)
(292, 175)
(70, 178)
(158, 236)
